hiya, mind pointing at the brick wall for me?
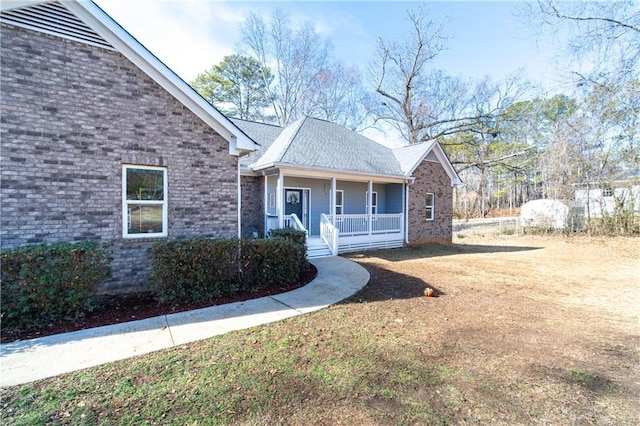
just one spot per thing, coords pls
(72, 115)
(252, 216)
(430, 177)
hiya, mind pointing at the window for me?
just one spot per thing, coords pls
(374, 202)
(144, 201)
(339, 202)
(607, 191)
(430, 202)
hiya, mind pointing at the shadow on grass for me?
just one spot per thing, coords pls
(388, 285)
(429, 250)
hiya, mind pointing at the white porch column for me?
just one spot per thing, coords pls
(280, 199)
(333, 199)
(406, 212)
(239, 202)
(369, 202)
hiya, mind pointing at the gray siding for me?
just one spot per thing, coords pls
(319, 202)
(393, 201)
(354, 196)
(272, 184)
(382, 197)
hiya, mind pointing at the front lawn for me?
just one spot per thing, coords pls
(524, 330)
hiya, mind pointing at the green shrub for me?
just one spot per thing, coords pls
(270, 263)
(297, 237)
(46, 284)
(293, 235)
(206, 269)
(195, 269)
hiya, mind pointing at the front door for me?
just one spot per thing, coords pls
(296, 202)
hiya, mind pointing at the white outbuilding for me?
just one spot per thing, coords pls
(544, 213)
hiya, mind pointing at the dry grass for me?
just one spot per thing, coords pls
(525, 330)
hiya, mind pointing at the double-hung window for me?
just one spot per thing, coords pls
(144, 201)
(430, 203)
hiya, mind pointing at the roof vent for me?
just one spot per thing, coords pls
(54, 19)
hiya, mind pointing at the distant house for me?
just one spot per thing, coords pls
(599, 200)
(101, 141)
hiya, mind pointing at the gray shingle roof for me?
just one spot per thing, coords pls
(263, 134)
(409, 155)
(311, 142)
(319, 143)
(315, 143)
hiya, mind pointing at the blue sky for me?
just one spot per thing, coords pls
(191, 36)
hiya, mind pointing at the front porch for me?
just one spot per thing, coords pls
(348, 233)
(343, 213)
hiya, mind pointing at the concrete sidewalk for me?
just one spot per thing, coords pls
(30, 360)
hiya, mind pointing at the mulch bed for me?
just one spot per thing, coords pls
(136, 306)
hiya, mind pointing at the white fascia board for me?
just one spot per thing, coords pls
(131, 48)
(448, 167)
(245, 171)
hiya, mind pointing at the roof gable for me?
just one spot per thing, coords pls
(320, 143)
(407, 156)
(411, 156)
(85, 22)
(276, 151)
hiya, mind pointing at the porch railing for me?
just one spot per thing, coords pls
(352, 225)
(292, 221)
(329, 233)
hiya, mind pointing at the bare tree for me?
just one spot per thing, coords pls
(402, 77)
(337, 95)
(294, 56)
(601, 38)
(307, 80)
(422, 103)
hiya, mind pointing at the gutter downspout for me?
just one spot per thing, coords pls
(265, 212)
(239, 202)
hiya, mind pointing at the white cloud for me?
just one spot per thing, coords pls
(179, 33)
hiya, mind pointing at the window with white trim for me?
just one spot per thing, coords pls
(144, 201)
(339, 202)
(430, 203)
(374, 202)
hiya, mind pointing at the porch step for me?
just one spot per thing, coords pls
(317, 248)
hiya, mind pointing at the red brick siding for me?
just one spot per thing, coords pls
(430, 177)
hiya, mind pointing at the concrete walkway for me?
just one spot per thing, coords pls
(30, 360)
